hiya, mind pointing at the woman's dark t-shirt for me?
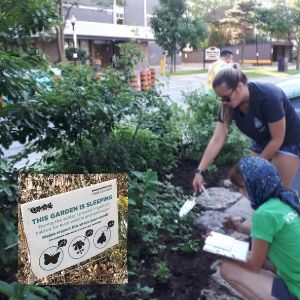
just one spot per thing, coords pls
(267, 104)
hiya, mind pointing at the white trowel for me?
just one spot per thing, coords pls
(189, 204)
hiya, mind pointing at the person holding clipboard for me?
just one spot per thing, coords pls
(272, 269)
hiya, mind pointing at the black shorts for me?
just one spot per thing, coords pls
(289, 150)
(280, 290)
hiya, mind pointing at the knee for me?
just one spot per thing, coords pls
(227, 270)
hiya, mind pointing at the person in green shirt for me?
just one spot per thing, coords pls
(272, 269)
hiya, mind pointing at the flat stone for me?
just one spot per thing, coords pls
(241, 209)
(220, 198)
(210, 220)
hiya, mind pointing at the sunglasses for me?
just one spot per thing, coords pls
(227, 98)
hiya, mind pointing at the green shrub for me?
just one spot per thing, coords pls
(201, 117)
(130, 55)
(161, 271)
(154, 208)
(141, 149)
(15, 291)
(106, 126)
(8, 220)
(82, 55)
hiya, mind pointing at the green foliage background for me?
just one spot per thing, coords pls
(200, 123)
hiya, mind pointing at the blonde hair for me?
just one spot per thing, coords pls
(226, 115)
(231, 77)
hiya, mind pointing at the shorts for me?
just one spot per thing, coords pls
(280, 290)
(290, 150)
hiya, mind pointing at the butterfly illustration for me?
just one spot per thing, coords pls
(102, 238)
(51, 259)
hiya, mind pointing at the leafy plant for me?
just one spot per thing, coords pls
(83, 295)
(8, 219)
(14, 291)
(201, 118)
(81, 54)
(161, 271)
(104, 126)
(189, 245)
(130, 55)
(154, 208)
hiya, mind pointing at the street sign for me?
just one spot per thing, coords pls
(68, 228)
(212, 53)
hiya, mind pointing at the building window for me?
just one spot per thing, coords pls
(120, 18)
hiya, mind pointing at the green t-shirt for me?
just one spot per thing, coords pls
(278, 224)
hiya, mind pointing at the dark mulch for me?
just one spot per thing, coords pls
(183, 175)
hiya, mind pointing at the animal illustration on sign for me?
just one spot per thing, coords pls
(79, 246)
(51, 259)
(102, 239)
(110, 224)
(89, 232)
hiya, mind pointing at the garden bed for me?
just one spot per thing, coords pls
(188, 273)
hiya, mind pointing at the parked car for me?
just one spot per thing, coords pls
(44, 81)
(291, 87)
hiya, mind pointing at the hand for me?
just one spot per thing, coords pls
(207, 233)
(198, 182)
(231, 223)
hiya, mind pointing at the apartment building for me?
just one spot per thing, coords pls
(99, 30)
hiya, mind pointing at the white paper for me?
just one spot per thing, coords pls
(68, 228)
(225, 245)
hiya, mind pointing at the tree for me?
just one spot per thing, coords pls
(282, 20)
(60, 4)
(295, 28)
(174, 28)
(204, 7)
(21, 22)
(212, 12)
(240, 21)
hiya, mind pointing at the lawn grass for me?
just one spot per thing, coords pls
(250, 72)
(187, 72)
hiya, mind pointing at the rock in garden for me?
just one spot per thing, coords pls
(219, 198)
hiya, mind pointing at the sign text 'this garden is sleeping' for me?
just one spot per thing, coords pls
(71, 227)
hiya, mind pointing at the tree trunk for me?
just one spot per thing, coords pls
(60, 44)
(242, 52)
(174, 62)
(60, 32)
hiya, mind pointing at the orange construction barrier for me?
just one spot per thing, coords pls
(149, 79)
(144, 80)
(152, 77)
(134, 82)
(98, 75)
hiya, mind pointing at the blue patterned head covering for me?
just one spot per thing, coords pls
(263, 182)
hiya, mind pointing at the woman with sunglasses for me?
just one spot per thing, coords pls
(272, 269)
(262, 112)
